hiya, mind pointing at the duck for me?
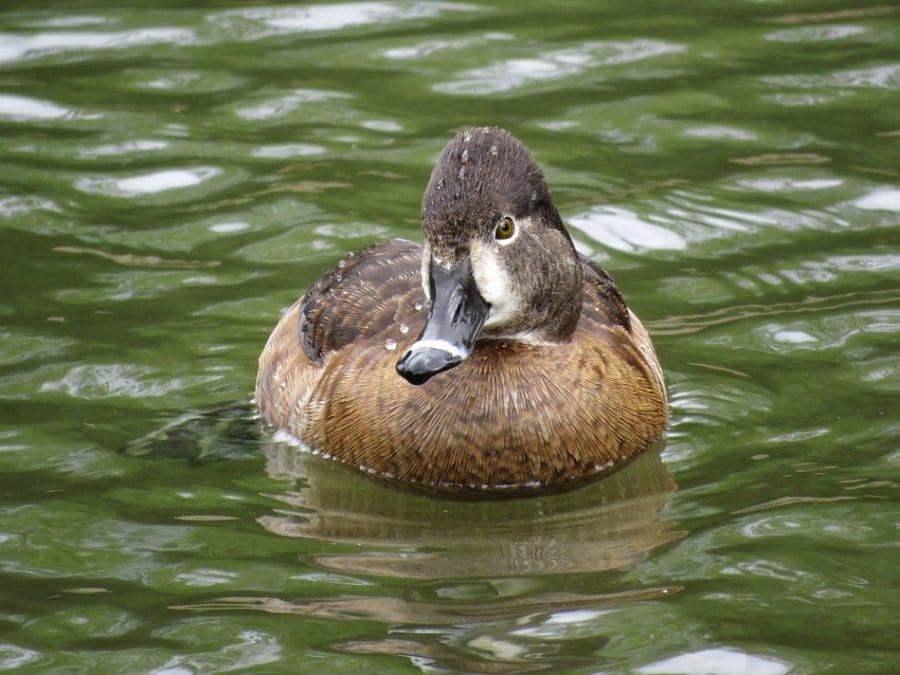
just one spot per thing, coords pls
(492, 359)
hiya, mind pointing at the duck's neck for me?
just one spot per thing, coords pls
(551, 308)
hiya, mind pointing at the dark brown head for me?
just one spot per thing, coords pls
(498, 262)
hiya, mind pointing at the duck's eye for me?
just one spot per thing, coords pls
(505, 229)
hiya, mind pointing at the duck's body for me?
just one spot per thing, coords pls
(550, 379)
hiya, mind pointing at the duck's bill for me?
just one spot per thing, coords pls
(454, 322)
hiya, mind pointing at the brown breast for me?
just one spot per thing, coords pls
(513, 416)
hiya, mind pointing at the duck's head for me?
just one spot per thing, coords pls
(497, 261)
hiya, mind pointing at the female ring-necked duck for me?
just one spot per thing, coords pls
(495, 358)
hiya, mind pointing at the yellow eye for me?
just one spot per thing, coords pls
(505, 229)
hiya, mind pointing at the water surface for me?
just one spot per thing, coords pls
(174, 175)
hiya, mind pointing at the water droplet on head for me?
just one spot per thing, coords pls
(467, 137)
(342, 263)
(464, 157)
(404, 329)
(390, 344)
(462, 172)
(494, 150)
(338, 277)
(418, 306)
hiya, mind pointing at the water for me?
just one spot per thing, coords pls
(172, 176)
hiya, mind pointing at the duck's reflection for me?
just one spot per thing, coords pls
(611, 524)
(468, 586)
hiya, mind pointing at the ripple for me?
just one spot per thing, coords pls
(828, 332)
(205, 577)
(721, 660)
(720, 403)
(163, 180)
(184, 81)
(128, 147)
(624, 230)
(382, 125)
(76, 20)
(554, 65)
(883, 374)
(834, 15)
(420, 611)
(229, 228)
(782, 159)
(672, 223)
(12, 656)
(793, 336)
(826, 87)
(791, 100)
(18, 205)
(262, 22)
(15, 349)
(26, 108)
(721, 132)
(882, 199)
(788, 183)
(282, 105)
(288, 150)
(110, 380)
(243, 650)
(150, 183)
(428, 47)
(15, 47)
(816, 33)
(878, 77)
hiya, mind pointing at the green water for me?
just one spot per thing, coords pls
(172, 175)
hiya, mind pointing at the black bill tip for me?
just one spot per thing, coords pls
(421, 362)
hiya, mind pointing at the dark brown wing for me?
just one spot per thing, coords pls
(602, 295)
(369, 292)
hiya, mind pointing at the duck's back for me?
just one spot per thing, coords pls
(512, 415)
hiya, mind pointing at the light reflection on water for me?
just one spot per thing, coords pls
(262, 22)
(15, 48)
(554, 66)
(159, 181)
(27, 108)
